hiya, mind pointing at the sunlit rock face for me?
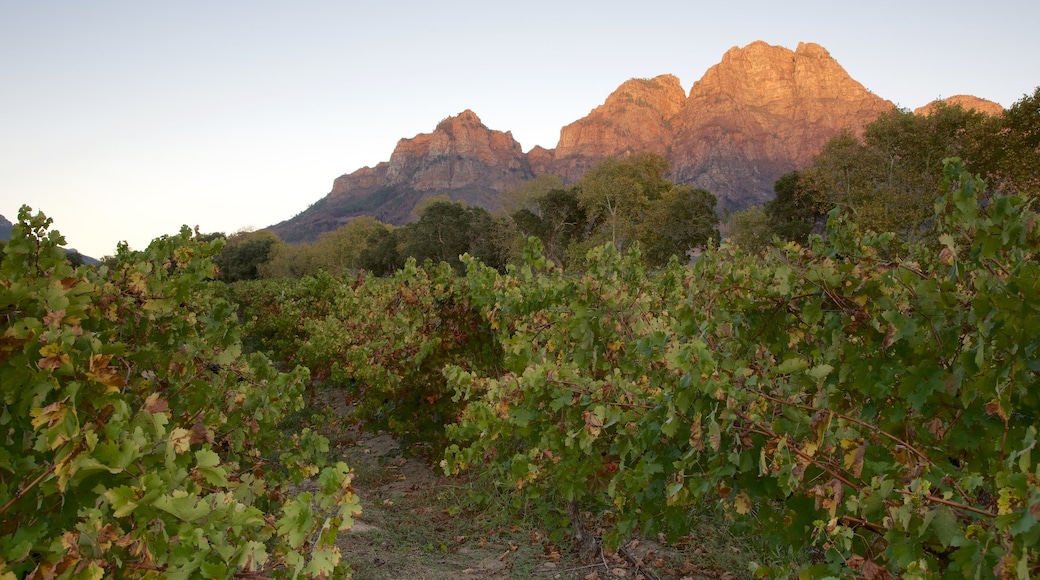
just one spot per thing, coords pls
(966, 102)
(761, 112)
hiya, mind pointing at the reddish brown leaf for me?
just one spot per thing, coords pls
(54, 318)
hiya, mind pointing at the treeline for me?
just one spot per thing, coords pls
(888, 179)
(624, 201)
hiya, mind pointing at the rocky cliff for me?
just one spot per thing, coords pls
(636, 118)
(761, 112)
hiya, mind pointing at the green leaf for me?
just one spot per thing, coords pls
(944, 525)
(206, 458)
(123, 500)
(184, 506)
(792, 365)
(214, 570)
(818, 372)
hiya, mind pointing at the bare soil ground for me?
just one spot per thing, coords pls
(418, 524)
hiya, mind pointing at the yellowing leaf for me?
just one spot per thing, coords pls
(50, 415)
(53, 358)
(742, 503)
(180, 440)
(854, 449)
(106, 375)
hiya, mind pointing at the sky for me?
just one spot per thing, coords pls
(124, 120)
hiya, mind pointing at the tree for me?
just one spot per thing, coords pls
(889, 179)
(750, 229)
(557, 219)
(793, 213)
(242, 255)
(380, 254)
(683, 219)
(1013, 161)
(339, 250)
(527, 194)
(490, 238)
(441, 234)
(617, 193)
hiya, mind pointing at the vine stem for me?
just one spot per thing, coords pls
(932, 498)
(859, 422)
(953, 504)
(26, 489)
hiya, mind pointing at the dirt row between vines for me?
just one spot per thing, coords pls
(417, 523)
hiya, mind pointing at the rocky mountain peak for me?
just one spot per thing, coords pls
(763, 111)
(635, 118)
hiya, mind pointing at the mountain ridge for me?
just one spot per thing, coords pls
(762, 111)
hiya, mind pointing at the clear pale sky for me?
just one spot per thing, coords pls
(125, 120)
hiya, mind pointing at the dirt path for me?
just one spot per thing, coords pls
(418, 524)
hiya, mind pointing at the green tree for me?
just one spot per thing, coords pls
(1013, 149)
(557, 219)
(889, 179)
(527, 194)
(242, 255)
(749, 229)
(617, 195)
(490, 238)
(793, 213)
(683, 219)
(381, 255)
(335, 251)
(441, 234)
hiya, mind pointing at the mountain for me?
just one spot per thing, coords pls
(762, 111)
(966, 102)
(462, 159)
(5, 229)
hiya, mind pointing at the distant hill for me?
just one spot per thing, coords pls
(5, 228)
(761, 112)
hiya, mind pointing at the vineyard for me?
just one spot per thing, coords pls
(866, 407)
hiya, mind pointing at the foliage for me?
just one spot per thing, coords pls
(557, 219)
(380, 254)
(446, 230)
(243, 254)
(888, 179)
(881, 412)
(794, 212)
(617, 193)
(527, 194)
(138, 441)
(383, 341)
(628, 201)
(1011, 152)
(336, 252)
(749, 229)
(682, 220)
